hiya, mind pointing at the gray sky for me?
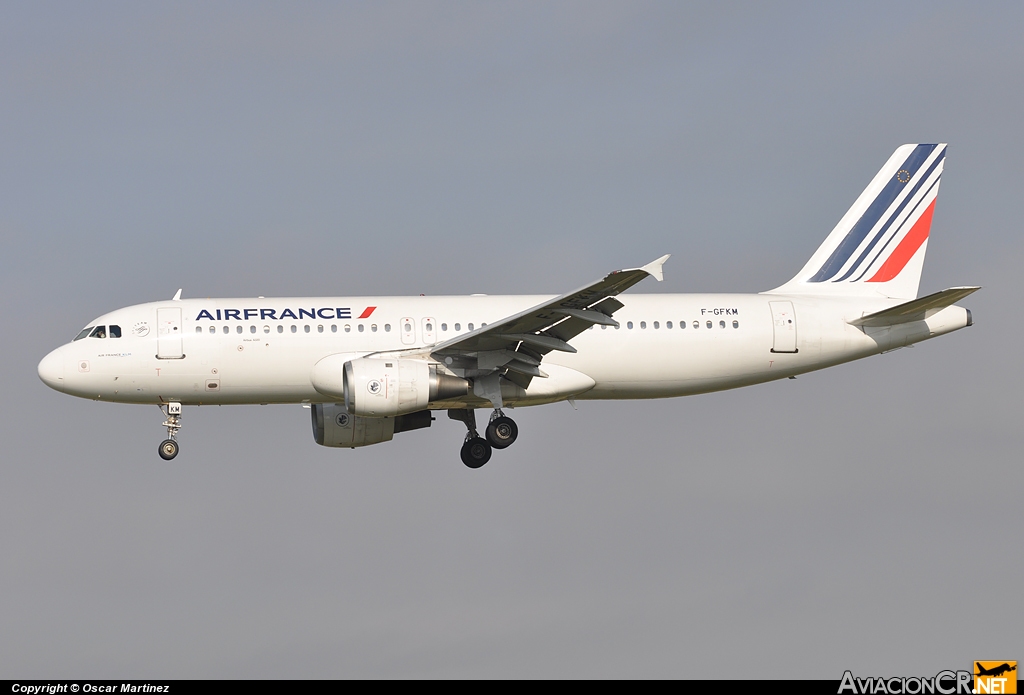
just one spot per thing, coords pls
(866, 517)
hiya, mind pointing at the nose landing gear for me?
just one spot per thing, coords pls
(169, 447)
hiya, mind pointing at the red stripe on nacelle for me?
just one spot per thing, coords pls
(366, 312)
(899, 258)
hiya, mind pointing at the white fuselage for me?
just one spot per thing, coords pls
(236, 351)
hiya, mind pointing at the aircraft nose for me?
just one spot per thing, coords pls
(51, 370)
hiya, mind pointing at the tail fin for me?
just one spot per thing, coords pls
(878, 248)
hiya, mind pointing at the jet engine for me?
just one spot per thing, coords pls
(386, 387)
(333, 426)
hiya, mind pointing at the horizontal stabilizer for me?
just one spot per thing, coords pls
(916, 310)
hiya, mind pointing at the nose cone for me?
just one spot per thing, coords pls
(51, 370)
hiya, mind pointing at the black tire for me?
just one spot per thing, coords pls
(476, 452)
(168, 449)
(502, 432)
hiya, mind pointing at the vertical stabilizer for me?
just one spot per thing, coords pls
(878, 247)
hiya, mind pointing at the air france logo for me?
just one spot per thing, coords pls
(374, 387)
(312, 313)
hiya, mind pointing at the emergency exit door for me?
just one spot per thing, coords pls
(784, 325)
(408, 329)
(168, 334)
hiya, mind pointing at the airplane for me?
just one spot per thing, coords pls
(369, 368)
(995, 671)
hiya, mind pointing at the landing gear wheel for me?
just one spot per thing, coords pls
(476, 452)
(168, 449)
(502, 432)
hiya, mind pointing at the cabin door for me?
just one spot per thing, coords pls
(784, 325)
(168, 334)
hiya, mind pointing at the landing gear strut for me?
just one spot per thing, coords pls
(476, 451)
(169, 447)
(502, 430)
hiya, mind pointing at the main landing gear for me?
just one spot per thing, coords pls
(169, 447)
(501, 430)
(500, 433)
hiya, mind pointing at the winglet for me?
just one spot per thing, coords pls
(177, 296)
(654, 267)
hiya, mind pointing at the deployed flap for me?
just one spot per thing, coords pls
(531, 334)
(917, 310)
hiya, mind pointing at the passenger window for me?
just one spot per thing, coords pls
(387, 327)
(656, 325)
(668, 324)
(238, 329)
(252, 329)
(115, 331)
(444, 326)
(199, 329)
(629, 325)
(407, 327)
(709, 324)
(721, 324)
(643, 324)
(320, 328)
(334, 328)
(458, 327)
(99, 332)
(85, 332)
(294, 328)
(470, 326)
(280, 328)
(373, 328)
(360, 328)
(266, 329)
(226, 329)
(430, 326)
(696, 324)
(306, 328)
(735, 324)
(604, 328)
(348, 328)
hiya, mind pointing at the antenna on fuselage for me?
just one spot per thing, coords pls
(177, 296)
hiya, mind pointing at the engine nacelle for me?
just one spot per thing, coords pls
(333, 426)
(388, 387)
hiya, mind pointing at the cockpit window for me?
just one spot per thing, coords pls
(115, 331)
(85, 332)
(99, 332)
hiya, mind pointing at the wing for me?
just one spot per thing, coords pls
(515, 345)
